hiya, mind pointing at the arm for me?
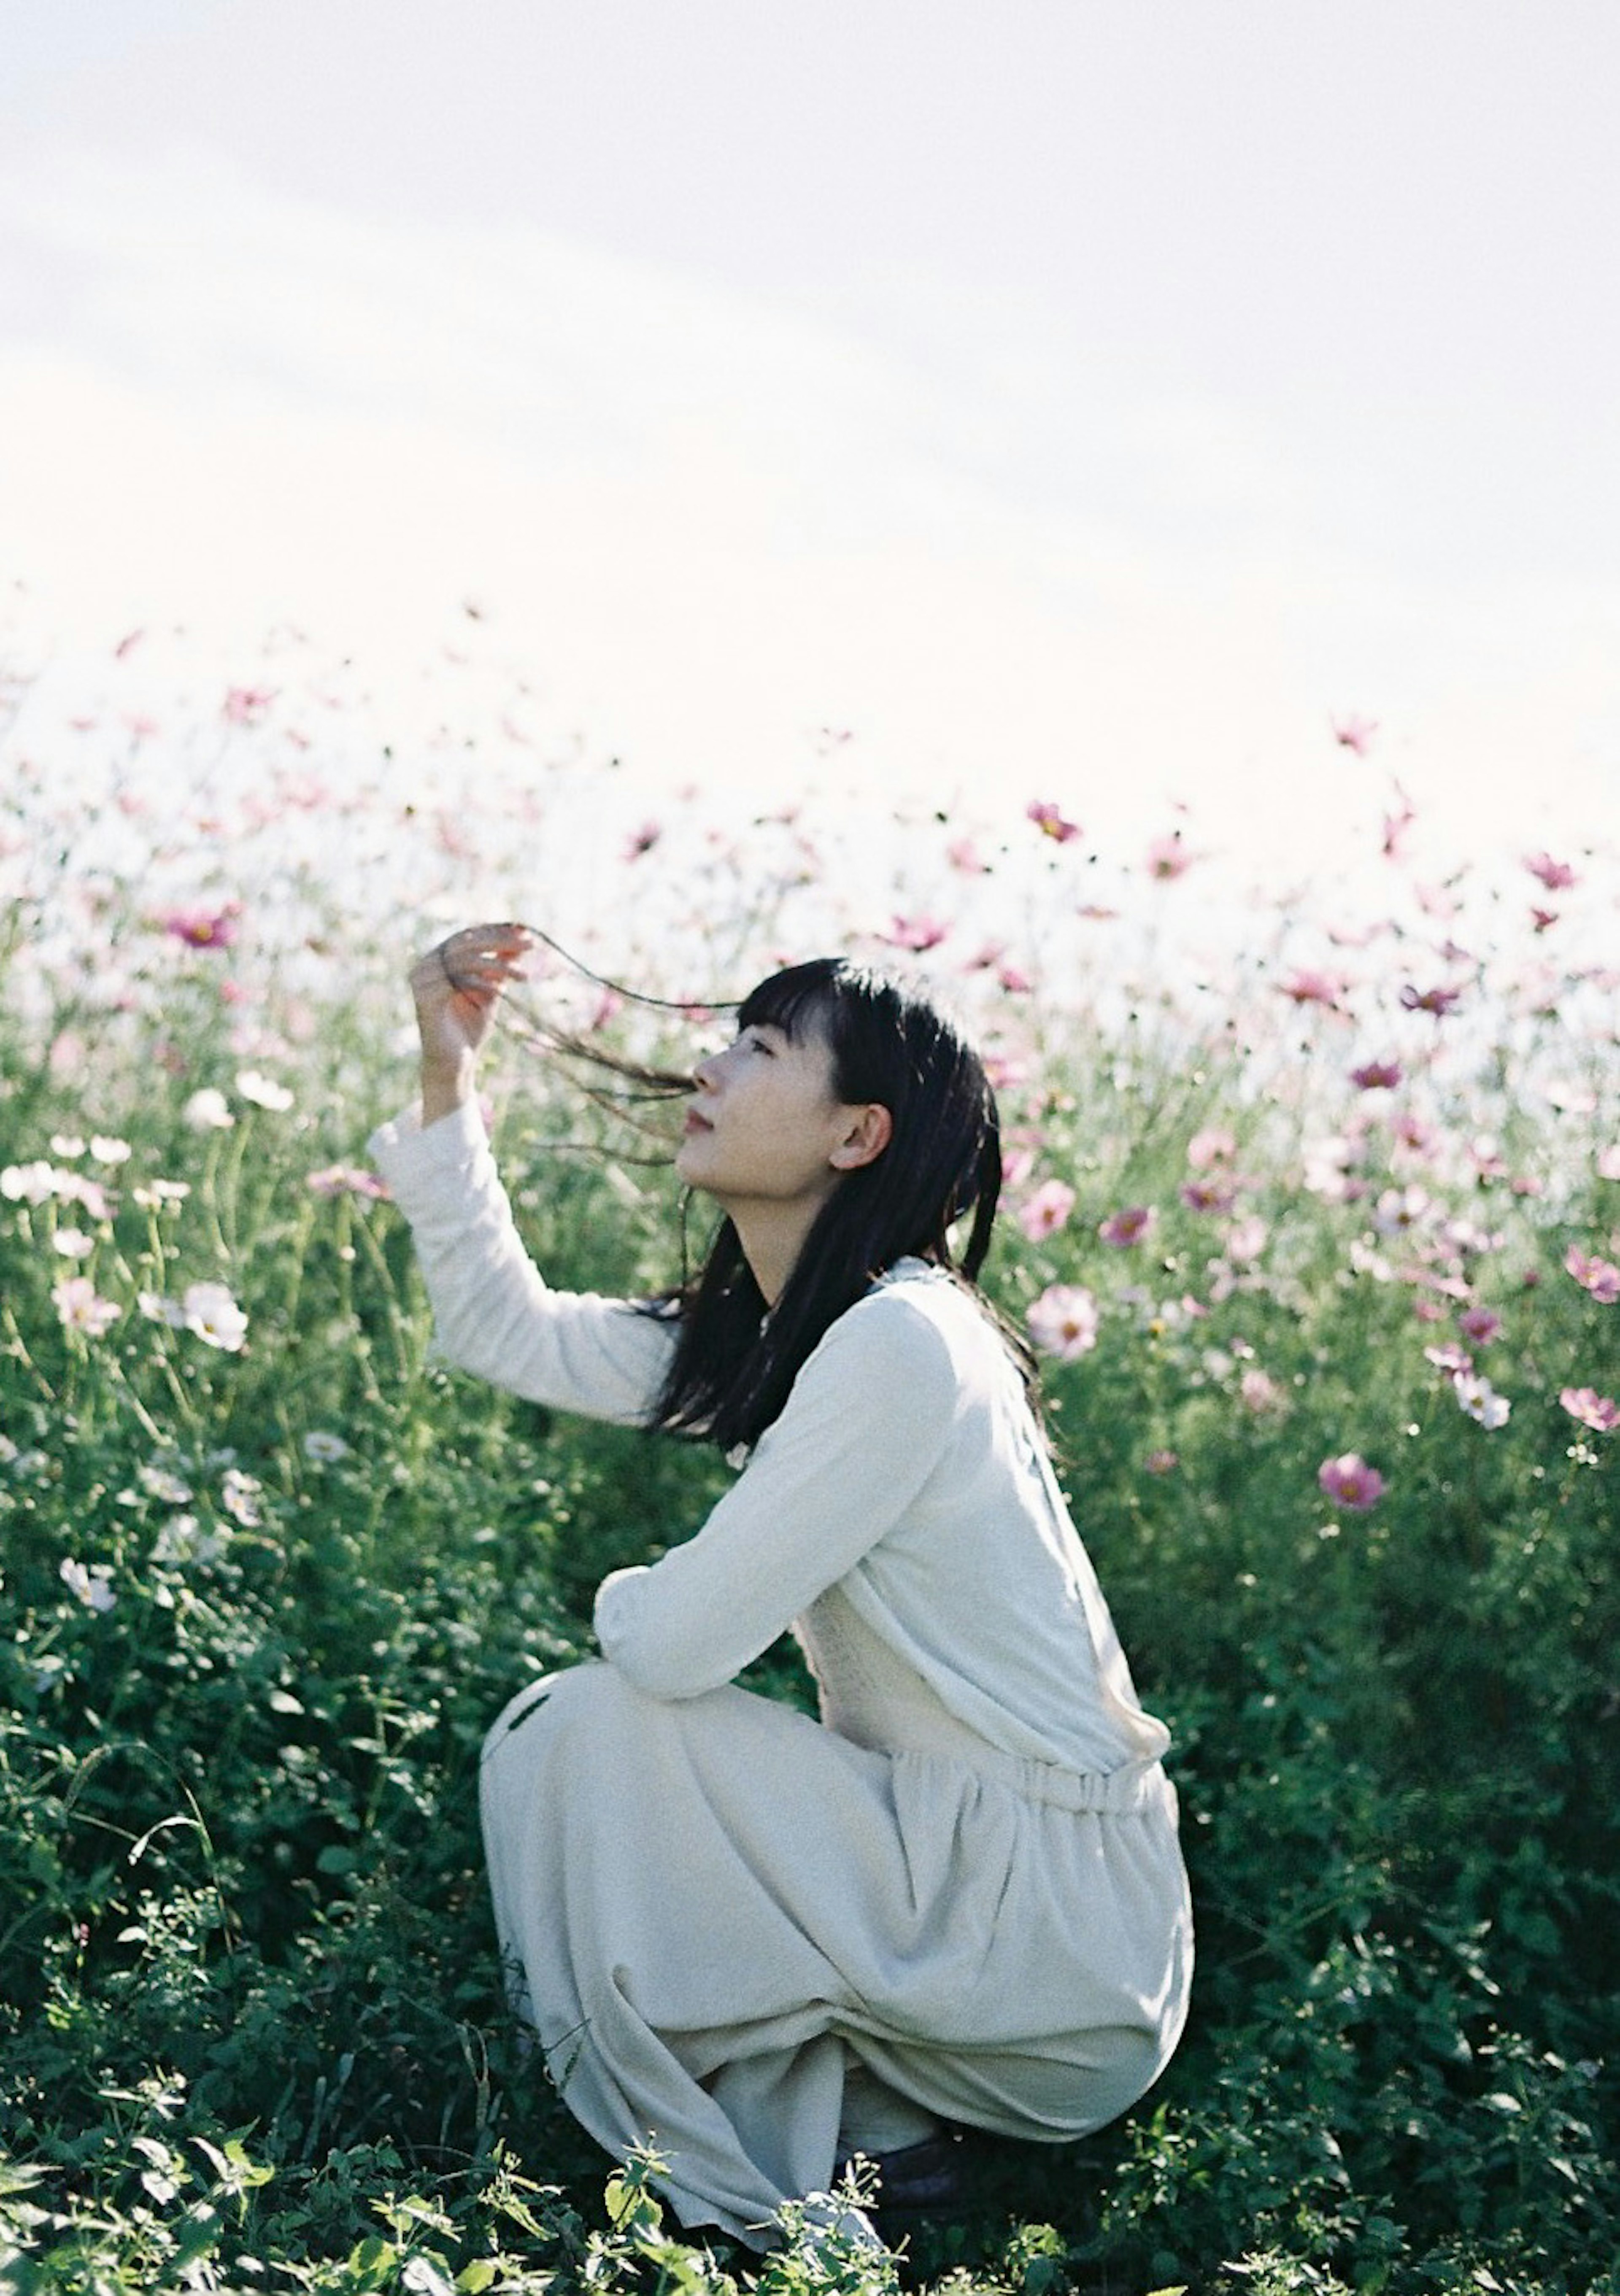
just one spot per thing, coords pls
(492, 1313)
(863, 1429)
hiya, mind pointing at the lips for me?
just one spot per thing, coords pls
(695, 1123)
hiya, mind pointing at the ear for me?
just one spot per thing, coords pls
(871, 1129)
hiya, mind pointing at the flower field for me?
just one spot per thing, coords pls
(1312, 1214)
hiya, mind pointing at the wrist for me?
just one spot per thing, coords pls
(446, 1084)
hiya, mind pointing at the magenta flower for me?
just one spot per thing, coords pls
(1209, 1195)
(1014, 981)
(1051, 823)
(1355, 732)
(1047, 1211)
(1350, 1482)
(1377, 1076)
(1481, 1326)
(204, 928)
(1557, 876)
(1133, 1225)
(1063, 1322)
(1439, 1000)
(1600, 1277)
(1598, 1411)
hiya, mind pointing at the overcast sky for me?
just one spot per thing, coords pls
(1087, 398)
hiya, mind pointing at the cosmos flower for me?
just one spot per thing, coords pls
(1062, 1321)
(1350, 1482)
(1598, 1411)
(1131, 1224)
(1355, 732)
(1050, 820)
(203, 928)
(1477, 1397)
(92, 1586)
(263, 1091)
(1047, 1211)
(207, 1111)
(1557, 876)
(80, 1308)
(1377, 1076)
(1600, 1277)
(212, 1315)
(324, 1448)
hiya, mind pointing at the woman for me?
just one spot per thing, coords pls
(755, 1943)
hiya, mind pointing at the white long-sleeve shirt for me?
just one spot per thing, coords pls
(899, 1514)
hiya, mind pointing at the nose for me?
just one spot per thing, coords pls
(702, 1072)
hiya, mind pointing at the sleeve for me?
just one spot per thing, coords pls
(493, 1315)
(863, 1429)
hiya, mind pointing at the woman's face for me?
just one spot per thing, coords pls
(765, 1126)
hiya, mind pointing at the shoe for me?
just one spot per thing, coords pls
(918, 2179)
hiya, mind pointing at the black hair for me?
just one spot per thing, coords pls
(734, 1363)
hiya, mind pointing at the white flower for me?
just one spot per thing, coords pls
(1480, 1400)
(90, 1586)
(1063, 1322)
(73, 1243)
(324, 1449)
(263, 1091)
(27, 1183)
(163, 1484)
(75, 1301)
(158, 1307)
(159, 1193)
(182, 1539)
(239, 1496)
(107, 1150)
(209, 1110)
(208, 1310)
(1399, 1210)
(67, 1145)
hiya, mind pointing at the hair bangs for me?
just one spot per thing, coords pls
(797, 1000)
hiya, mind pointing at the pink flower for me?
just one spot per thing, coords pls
(1051, 823)
(1047, 1211)
(1377, 1076)
(916, 933)
(1439, 1000)
(1350, 1482)
(1014, 983)
(1542, 919)
(1452, 1359)
(643, 840)
(1167, 856)
(1133, 1225)
(344, 1179)
(1310, 985)
(1355, 732)
(1213, 1146)
(203, 928)
(1598, 1411)
(75, 1301)
(1063, 1322)
(1608, 1162)
(963, 854)
(1259, 1391)
(1600, 1277)
(1480, 1325)
(245, 705)
(1557, 876)
(1246, 1239)
(1162, 1463)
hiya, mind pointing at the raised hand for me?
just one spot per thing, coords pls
(457, 987)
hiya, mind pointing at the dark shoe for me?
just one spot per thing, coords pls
(919, 2180)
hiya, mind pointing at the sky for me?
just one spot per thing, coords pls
(1072, 399)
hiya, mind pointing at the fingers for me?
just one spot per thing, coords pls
(479, 958)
